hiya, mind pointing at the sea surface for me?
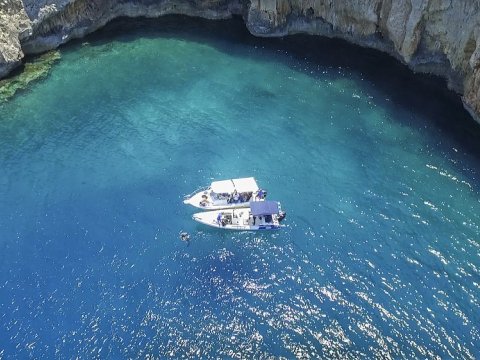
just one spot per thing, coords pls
(377, 168)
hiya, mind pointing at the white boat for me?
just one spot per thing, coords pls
(260, 215)
(226, 194)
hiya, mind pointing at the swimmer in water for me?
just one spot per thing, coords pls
(185, 237)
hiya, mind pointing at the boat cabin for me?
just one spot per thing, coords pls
(262, 212)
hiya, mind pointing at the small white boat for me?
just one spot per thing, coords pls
(226, 194)
(260, 215)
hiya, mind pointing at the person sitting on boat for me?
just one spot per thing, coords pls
(235, 196)
(204, 202)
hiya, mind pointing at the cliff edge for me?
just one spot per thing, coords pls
(433, 36)
(14, 27)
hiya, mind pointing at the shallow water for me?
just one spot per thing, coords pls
(378, 171)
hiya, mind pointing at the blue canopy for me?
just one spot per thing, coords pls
(264, 207)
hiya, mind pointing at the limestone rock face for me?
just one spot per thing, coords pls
(435, 36)
(55, 22)
(14, 26)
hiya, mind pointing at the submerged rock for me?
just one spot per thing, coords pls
(441, 37)
(33, 70)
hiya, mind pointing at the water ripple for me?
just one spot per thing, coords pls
(380, 257)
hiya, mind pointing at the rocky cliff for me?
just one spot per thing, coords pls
(14, 27)
(435, 36)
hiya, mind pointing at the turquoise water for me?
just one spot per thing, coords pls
(377, 169)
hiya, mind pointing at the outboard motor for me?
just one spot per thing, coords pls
(281, 216)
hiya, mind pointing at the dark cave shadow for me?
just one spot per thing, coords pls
(426, 95)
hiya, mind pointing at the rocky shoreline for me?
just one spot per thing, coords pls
(440, 37)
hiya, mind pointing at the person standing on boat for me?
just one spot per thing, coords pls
(261, 194)
(221, 220)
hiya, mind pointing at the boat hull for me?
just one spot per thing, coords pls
(237, 219)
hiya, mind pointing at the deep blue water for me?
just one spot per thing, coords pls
(378, 171)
